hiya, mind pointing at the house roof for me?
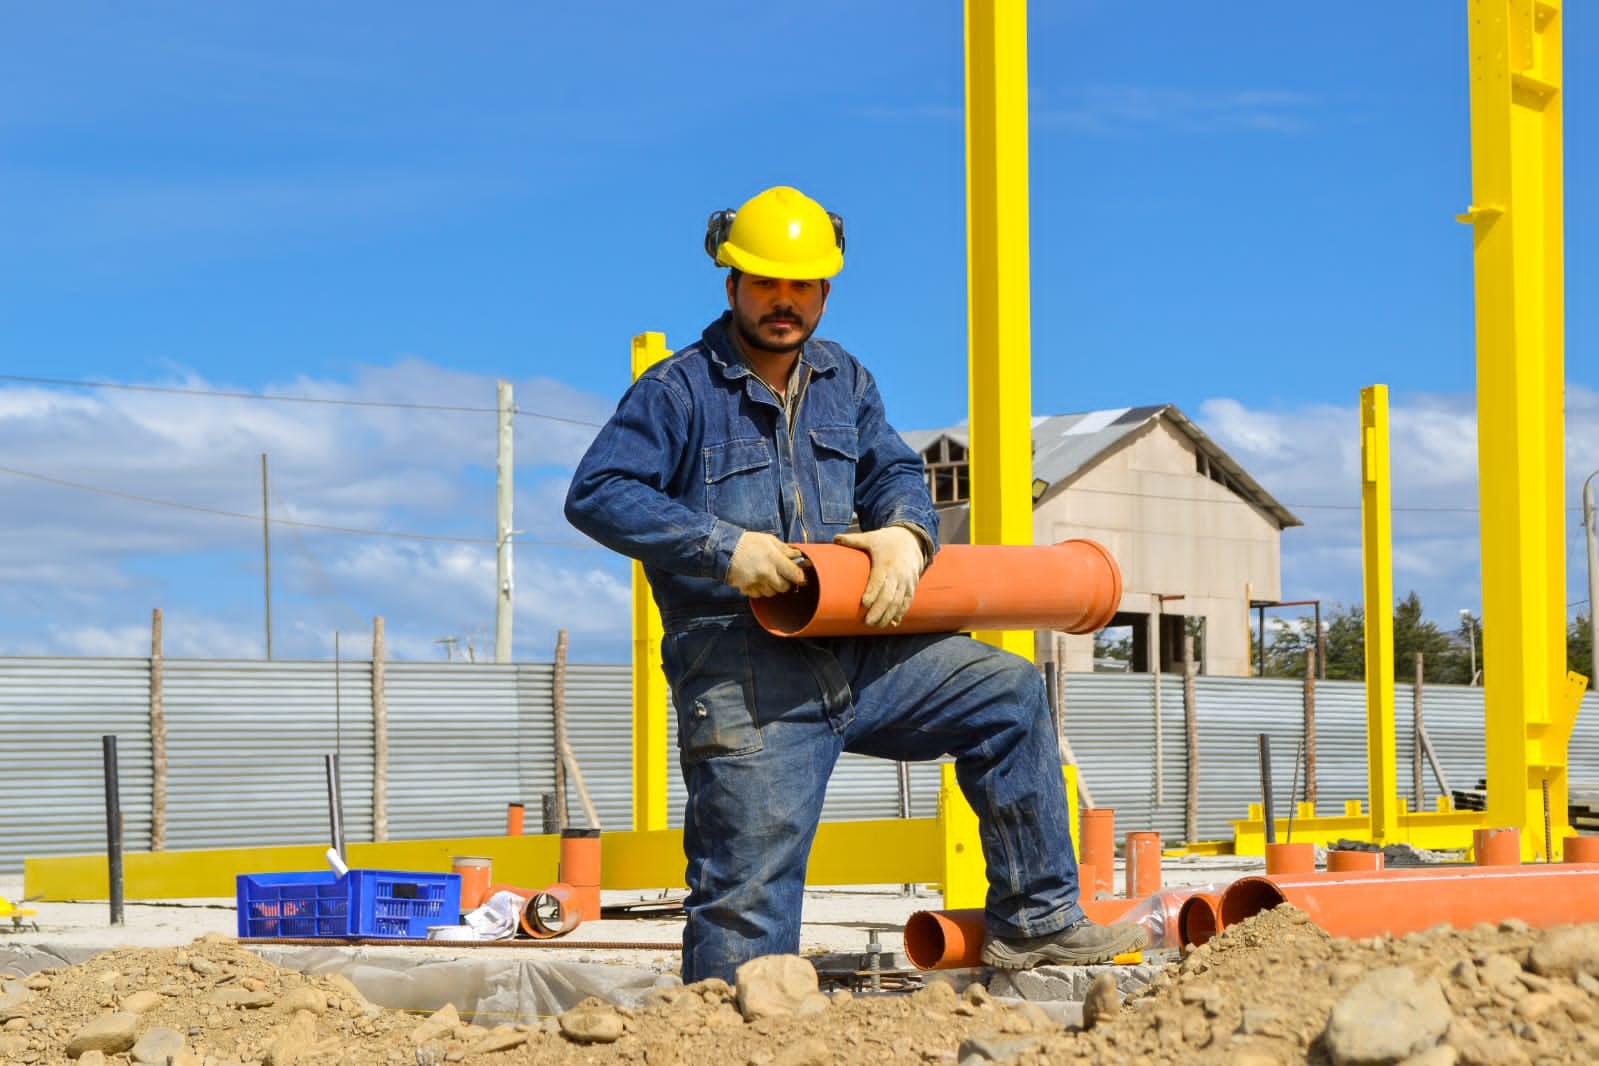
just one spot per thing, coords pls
(1064, 446)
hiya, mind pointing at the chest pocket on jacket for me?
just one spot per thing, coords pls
(836, 450)
(740, 486)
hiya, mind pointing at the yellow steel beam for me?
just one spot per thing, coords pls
(965, 879)
(1517, 221)
(650, 765)
(1001, 452)
(1382, 770)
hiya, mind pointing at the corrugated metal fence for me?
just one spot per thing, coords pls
(246, 740)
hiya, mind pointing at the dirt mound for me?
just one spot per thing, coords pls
(1273, 990)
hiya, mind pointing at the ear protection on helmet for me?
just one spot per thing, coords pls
(720, 224)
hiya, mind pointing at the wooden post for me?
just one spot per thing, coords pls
(1190, 743)
(158, 738)
(1310, 727)
(380, 738)
(563, 744)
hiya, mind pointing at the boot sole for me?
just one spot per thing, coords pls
(1002, 957)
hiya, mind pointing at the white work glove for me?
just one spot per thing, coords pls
(762, 565)
(896, 568)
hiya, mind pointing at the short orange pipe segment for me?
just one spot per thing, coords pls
(1344, 861)
(1290, 859)
(551, 912)
(953, 940)
(580, 868)
(1394, 902)
(514, 816)
(1496, 847)
(1096, 848)
(1074, 586)
(1581, 849)
(1142, 849)
(1199, 918)
(474, 872)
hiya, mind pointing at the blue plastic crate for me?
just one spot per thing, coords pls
(360, 904)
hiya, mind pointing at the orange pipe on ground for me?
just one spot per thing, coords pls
(580, 868)
(1496, 847)
(1340, 861)
(1581, 849)
(514, 816)
(474, 873)
(551, 912)
(1074, 586)
(953, 940)
(1096, 840)
(1142, 849)
(1290, 859)
(1199, 919)
(1394, 902)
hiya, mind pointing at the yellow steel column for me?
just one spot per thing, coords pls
(649, 685)
(997, 282)
(1376, 535)
(1516, 219)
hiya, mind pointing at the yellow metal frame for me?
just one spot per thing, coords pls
(998, 284)
(1376, 538)
(650, 764)
(944, 850)
(1518, 247)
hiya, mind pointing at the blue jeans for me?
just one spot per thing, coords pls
(762, 721)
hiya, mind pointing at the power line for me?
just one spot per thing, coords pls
(63, 483)
(324, 400)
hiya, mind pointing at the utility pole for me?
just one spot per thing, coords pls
(1593, 572)
(503, 480)
(266, 554)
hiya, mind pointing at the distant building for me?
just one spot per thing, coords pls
(1197, 538)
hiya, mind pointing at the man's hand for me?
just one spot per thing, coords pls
(762, 565)
(896, 568)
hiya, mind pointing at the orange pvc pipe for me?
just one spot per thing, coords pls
(1290, 859)
(580, 868)
(1395, 902)
(953, 940)
(1074, 586)
(1142, 849)
(474, 872)
(551, 912)
(1581, 849)
(1496, 847)
(1199, 918)
(514, 816)
(1345, 861)
(1096, 839)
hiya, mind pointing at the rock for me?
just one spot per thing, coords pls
(1442, 1055)
(204, 967)
(500, 1038)
(12, 999)
(1536, 1006)
(442, 1021)
(234, 996)
(141, 1001)
(1567, 952)
(1503, 974)
(1387, 1017)
(1254, 1057)
(304, 998)
(158, 1045)
(1103, 1001)
(112, 1033)
(1257, 1020)
(290, 1042)
(12, 1046)
(811, 1051)
(775, 986)
(994, 1047)
(92, 1058)
(593, 1022)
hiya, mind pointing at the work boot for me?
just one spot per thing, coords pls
(1076, 945)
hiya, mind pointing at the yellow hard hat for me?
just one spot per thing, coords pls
(779, 233)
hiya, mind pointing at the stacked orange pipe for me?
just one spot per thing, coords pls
(1074, 586)
(1394, 902)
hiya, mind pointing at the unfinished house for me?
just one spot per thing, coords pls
(1197, 538)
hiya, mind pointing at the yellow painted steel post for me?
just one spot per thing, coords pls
(998, 282)
(965, 874)
(1382, 768)
(650, 765)
(1517, 235)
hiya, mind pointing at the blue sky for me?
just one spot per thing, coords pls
(1247, 211)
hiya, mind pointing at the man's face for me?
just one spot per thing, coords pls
(776, 315)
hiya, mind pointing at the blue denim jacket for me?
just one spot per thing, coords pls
(699, 450)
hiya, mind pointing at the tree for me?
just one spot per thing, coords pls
(1445, 658)
(1579, 646)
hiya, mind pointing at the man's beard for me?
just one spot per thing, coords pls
(753, 340)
